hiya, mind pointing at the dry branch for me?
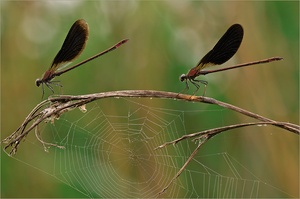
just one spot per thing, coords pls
(54, 106)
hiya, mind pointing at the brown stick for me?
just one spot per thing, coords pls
(57, 105)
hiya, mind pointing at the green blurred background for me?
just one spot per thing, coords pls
(167, 38)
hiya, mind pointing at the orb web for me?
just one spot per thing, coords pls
(109, 152)
(111, 155)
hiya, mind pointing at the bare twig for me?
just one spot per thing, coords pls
(55, 106)
(216, 131)
(45, 144)
(203, 137)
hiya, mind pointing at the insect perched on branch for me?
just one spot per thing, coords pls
(225, 48)
(72, 47)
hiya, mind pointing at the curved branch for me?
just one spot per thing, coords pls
(170, 95)
(57, 105)
(203, 137)
(215, 131)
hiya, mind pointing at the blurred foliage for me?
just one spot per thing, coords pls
(167, 38)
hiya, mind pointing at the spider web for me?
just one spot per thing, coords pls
(109, 152)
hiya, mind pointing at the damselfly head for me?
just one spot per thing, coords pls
(182, 77)
(38, 82)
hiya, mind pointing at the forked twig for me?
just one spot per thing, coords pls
(216, 131)
(53, 107)
(203, 137)
(45, 144)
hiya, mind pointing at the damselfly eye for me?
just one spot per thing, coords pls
(182, 77)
